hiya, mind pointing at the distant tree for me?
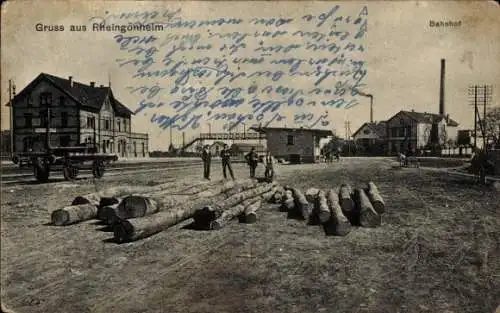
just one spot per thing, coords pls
(493, 126)
(334, 143)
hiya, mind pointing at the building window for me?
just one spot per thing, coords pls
(46, 99)
(64, 119)
(144, 150)
(28, 118)
(62, 101)
(394, 132)
(401, 132)
(90, 122)
(401, 121)
(106, 125)
(290, 140)
(125, 125)
(43, 118)
(29, 101)
(119, 126)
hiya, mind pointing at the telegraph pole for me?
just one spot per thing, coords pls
(475, 94)
(11, 88)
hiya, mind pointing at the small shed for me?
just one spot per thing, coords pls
(296, 145)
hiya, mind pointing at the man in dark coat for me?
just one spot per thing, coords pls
(252, 159)
(206, 156)
(225, 155)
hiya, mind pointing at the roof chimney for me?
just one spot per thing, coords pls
(102, 86)
(92, 84)
(441, 88)
(70, 81)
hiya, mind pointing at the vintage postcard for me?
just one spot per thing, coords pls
(250, 156)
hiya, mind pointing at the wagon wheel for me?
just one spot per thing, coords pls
(98, 168)
(41, 170)
(70, 172)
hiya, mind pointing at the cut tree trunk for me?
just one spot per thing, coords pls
(322, 211)
(232, 213)
(375, 198)
(211, 212)
(288, 204)
(338, 224)
(74, 214)
(142, 205)
(138, 228)
(108, 201)
(118, 191)
(251, 212)
(108, 213)
(312, 195)
(368, 217)
(92, 198)
(345, 198)
(278, 195)
(138, 206)
(302, 206)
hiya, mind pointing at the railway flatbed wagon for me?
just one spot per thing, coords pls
(70, 161)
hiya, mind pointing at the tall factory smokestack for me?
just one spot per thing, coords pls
(441, 89)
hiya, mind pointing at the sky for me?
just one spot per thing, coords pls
(402, 54)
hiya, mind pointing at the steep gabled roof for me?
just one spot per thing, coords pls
(378, 128)
(428, 118)
(85, 95)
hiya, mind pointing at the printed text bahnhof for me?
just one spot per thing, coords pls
(101, 27)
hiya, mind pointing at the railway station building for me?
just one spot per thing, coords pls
(80, 114)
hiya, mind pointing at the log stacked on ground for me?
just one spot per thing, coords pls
(302, 206)
(278, 195)
(251, 212)
(288, 204)
(146, 204)
(116, 192)
(375, 198)
(246, 210)
(321, 209)
(338, 224)
(345, 198)
(368, 217)
(137, 228)
(312, 195)
(209, 213)
(74, 214)
(232, 213)
(108, 213)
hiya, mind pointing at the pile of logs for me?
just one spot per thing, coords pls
(337, 210)
(135, 212)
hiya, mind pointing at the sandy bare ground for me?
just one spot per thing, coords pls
(437, 251)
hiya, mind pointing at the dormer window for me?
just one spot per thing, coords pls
(29, 101)
(45, 99)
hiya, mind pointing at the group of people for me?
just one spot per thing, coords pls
(252, 159)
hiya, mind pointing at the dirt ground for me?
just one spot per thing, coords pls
(438, 250)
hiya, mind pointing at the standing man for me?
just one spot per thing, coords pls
(252, 159)
(269, 173)
(207, 159)
(225, 155)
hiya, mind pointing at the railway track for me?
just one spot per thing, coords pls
(26, 176)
